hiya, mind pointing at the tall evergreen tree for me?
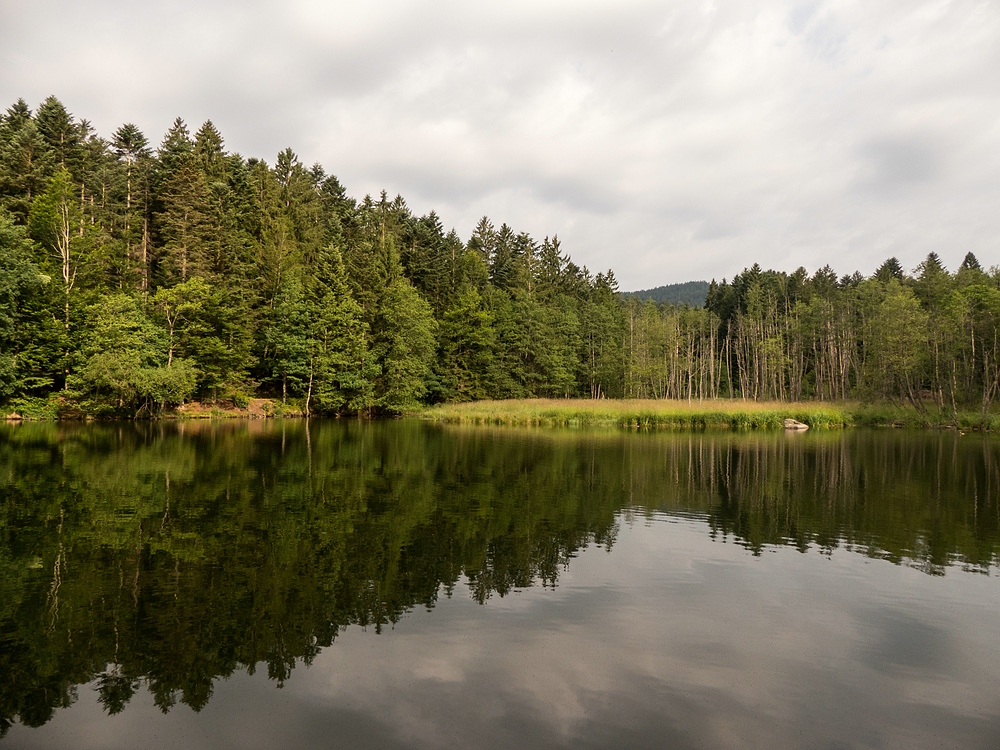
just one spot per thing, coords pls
(176, 148)
(404, 347)
(467, 341)
(286, 333)
(131, 148)
(890, 269)
(18, 278)
(25, 161)
(61, 135)
(184, 225)
(342, 368)
(210, 153)
(970, 263)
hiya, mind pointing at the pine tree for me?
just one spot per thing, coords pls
(131, 148)
(429, 261)
(503, 273)
(890, 269)
(404, 347)
(19, 277)
(300, 203)
(602, 334)
(483, 240)
(184, 226)
(210, 153)
(176, 148)
(286, 335)
(25, 161)
(62, 136)
(342, 369)
(467, 342)
(970, 263)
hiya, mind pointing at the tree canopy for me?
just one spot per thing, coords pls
(133, 279)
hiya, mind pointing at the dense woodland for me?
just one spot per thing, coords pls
(136, 277)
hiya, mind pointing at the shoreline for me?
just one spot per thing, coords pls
(695, 415)
(609, 413)
(67, 411)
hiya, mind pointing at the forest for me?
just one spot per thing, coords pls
(135, 278)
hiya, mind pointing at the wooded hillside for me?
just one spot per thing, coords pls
(690, 293)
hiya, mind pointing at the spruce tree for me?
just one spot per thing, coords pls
(61, 135)
(342, 368)
(184, 226)
(131, 148)
(404, 347)
(25, 161)
(19, 277)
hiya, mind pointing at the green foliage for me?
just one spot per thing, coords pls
(270, 280)
(404, 347)
(162, 387)
(63, 137)
(185, 226)
(182, 307)
(467, 341)
(342, 369)
(120, 346)
(25, 161)
(897, 356)
(18, 277)
(286, 337)
(691, 293)
(36, 408)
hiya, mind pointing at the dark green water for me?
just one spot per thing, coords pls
(408, 585)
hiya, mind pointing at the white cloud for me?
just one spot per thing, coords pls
(667, 142)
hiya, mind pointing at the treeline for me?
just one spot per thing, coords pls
(931, 339)
(132, 280)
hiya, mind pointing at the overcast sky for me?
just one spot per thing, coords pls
(668, 141)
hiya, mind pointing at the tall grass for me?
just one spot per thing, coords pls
(728, 414)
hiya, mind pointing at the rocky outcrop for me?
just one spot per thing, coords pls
(791, 424)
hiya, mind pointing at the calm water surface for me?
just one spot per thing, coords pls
(401, 584)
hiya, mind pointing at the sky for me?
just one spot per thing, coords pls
(666, 141)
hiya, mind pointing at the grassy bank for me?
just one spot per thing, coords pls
(730, 414)
(56, 408)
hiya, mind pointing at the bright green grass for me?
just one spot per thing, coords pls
(732, 414)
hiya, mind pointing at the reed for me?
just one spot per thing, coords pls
(726, 414)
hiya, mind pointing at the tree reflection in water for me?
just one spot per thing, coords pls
(172, 554)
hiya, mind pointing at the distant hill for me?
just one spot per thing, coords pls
(692, 293)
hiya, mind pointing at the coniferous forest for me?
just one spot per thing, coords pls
(135, 277)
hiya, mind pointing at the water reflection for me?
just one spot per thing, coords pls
(170, 555)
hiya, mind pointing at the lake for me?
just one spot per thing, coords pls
(404, 584)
